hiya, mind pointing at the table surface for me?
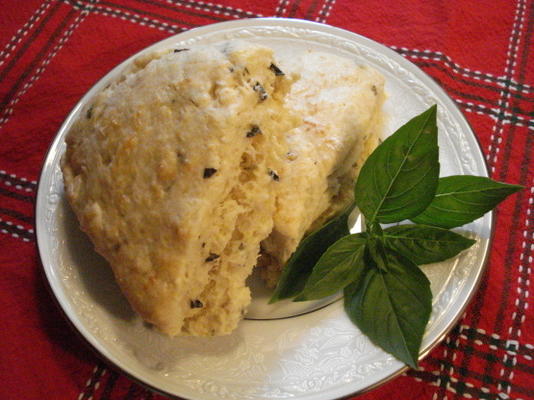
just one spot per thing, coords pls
(52, 52)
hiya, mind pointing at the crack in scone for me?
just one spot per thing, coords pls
(341, 104)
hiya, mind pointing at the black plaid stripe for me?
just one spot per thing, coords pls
(22, 49)
(521, 286)
(459, 92)
(509, 71)
(216, 9)
(89, 390)
(281, 8)
(325, 11)
(479, 300)
(108, 385)
(458, 78)
(509, 142)
(522, 293)
(16, 195)
(445, 362)
(464, 381)
(510, 250)
(16, 182)
(494, 342)
(132, 14)
(513, 118)
(514, 115)
(490, 349)
(17, 231)
(16, 215)
(162, 20)
(12, 222)
(430, 56)
(22, 33)
(474, 338)
(165, 6)
(451, 377)
(479, 109)
(485, 387)
(457, 95)
(482, 379)
(17, 86)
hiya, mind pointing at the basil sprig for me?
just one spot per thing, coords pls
(424, 244)
(461, 199)
(385, 292)
(399, 179)
(300, 265)
(338, 266)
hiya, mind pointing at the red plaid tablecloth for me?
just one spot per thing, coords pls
(480, 52)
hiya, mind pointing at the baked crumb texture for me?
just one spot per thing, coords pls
(341, 104)
(180, 169)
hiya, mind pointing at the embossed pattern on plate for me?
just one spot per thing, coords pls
(319, 355)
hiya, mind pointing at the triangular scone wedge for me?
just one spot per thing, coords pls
(341, 104)
(170, 172)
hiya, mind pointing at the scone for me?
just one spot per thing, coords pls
(172, 172)
(341, 107)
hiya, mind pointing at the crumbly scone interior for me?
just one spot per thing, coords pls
(253, 195)
(341, 103)
(171, 173)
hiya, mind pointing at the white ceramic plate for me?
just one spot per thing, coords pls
(316, 355)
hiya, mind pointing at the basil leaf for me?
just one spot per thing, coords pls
(377, 252)
(392, 308)
(399, 179)
(424, 244)
(461, 199)
(340, 265)
(300, 265)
